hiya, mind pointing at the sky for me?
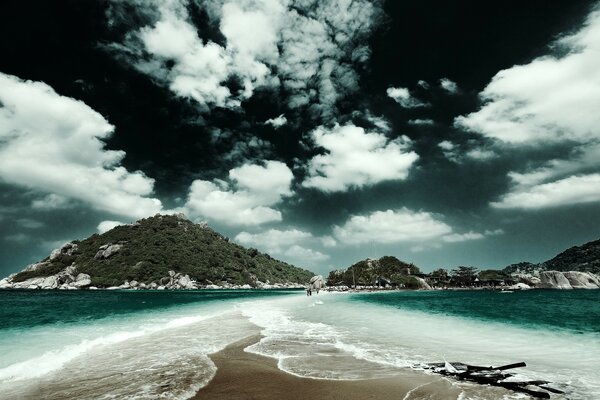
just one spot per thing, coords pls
(320, 131)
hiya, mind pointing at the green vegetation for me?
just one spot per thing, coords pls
(153, 246)
(387, 269)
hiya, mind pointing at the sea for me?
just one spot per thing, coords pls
(156, 344)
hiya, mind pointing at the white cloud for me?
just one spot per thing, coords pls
(356, 158)
(449, 85)
(53, 144)
(402, 226)
(403, 97)
(277, 122)
(552, 98)
(462, 237)
(51, 201)
(423, 84)
(453, 152)
(391, 226)
(283, 243)
(106, 226)
(248, 197)
(576, 189)
(305, 254)
(308, 48)
(421, 122)
(328, 241)
(273, 240)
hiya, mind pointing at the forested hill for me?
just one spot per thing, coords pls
(156, 247)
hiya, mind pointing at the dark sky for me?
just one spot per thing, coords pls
(444, 133)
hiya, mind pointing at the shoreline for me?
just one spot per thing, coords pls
(244, 375)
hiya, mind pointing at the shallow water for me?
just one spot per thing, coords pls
(156, 344)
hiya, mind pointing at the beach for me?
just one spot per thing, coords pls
(243, 375)
(228, 344)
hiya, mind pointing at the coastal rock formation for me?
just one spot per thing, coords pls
(568, 280)
(160, 252)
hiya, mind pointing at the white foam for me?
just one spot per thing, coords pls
(297, 333)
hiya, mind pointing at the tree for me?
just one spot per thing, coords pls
(440, 274)
(464, 275)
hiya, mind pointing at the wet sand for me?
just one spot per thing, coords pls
(243, 375)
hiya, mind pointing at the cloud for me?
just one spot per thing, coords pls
(576, 189)
(391, 226)
(283, 243)
(454, 153)
(304, 254)
(356, 158)
(449, 85)
(247, 198)
(423, 84)
(402, 226)
(277, 122)
(53, 144)
(273, 240)
(106, 226)
(18, 238)
(51, 201)
(403, 97)
(551, 99)
(310, 49)
(421, 122)
(29, 223)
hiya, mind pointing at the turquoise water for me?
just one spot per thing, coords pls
(25, 308)
(572, 310)
(151, 344)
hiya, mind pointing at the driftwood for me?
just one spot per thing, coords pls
(494, 376)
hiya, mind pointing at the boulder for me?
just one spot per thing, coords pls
(185, 282)
(171, 273)
(134, 283)
(554, 280)
(82, 280)
(108, 251)
(50, 282)
(582, 280)
(66, 249)
(520, 286)
(422, 284)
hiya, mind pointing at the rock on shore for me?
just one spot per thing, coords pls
(568, 280)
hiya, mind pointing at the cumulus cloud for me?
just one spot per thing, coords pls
(552, 100)
(449, 85)
(311, 49)
(53, 144)
(355, 158)
(391, 226)
(247, 198)
(283, 243)
(106, 226)
(576, 189)
(401, 226)
(277, 122)
(403, 97)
